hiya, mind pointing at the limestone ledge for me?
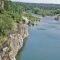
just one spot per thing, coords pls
(16, 42)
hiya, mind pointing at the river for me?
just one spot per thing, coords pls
(43, 42)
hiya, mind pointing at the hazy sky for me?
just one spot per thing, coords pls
(39, 1)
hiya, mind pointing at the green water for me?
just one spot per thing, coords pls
(43, 42)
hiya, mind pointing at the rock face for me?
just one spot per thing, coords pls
(16, 42)
(2, 4)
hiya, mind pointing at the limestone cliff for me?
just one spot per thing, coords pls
(16, 42)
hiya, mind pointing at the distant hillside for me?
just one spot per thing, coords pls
(40, 5)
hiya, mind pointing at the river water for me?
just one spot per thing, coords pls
(43, 42)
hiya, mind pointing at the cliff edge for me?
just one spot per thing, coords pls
(16, 42)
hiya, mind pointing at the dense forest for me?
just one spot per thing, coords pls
(42, 9)
(40, 5)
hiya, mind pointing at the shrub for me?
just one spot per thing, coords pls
(1, 10)
(6, 25)
(3, 42)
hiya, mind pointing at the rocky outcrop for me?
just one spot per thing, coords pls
(1, 4)
(16, 42)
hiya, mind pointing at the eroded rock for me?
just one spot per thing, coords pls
(16, 43)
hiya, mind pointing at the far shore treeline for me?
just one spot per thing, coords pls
(42, 9)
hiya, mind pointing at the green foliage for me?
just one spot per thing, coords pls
(29, 6)
(15, 10)
(32, 19)
(12, 12)
(57, 11)
(42, 9)
(3, 42)
(18, 18)
(56, 17)
(42, 12)
(5, 25)
(1, 10)
(36, 10)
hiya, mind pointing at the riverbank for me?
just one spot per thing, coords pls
(16, 42)
(43, 42)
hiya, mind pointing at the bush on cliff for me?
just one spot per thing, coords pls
(5, 25)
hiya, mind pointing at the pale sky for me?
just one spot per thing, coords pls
(39, 1)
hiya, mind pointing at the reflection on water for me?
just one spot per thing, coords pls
(19, 54)
(41, 28)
